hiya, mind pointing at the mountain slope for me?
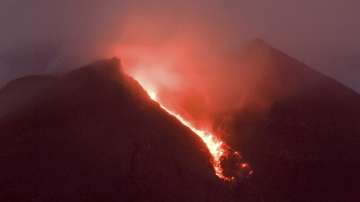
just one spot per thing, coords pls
(94, 135)
(305, 146)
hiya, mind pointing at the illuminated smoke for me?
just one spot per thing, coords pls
(217, 148)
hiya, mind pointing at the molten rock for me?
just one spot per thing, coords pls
(235, 167)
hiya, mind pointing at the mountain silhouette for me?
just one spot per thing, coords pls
(304, 146)
(94, 135)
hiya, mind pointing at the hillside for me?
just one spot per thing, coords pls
(94, 135)
(305, 146)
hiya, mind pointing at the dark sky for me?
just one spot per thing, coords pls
(41, 36)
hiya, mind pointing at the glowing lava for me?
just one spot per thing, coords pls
(214, 145)
(217, 148)
(156, 68)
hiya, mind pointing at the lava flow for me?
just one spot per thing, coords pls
(228, 164)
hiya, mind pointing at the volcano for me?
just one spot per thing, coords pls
(94, 134)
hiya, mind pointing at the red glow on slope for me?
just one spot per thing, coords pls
(217, 148)
(172, 68)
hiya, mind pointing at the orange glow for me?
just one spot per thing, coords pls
(178, 67)
(216, 147)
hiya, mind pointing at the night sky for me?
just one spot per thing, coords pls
(41, 36)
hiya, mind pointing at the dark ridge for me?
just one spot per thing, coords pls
(94, 135)
(24, 82)
(15, 95)
(305, 146)
(291, 71)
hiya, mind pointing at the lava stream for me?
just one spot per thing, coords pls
(215, 146)
(219, 151)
